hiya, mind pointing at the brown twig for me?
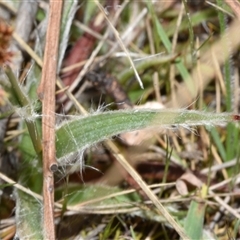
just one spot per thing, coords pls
(46, 93)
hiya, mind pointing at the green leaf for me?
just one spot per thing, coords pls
(28, 217)
(69, 9)
(89, 193)
(217, 140)
(197, 18)
(79, 133)
(2, 186)
(194, 222)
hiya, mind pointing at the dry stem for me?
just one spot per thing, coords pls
(46, 93)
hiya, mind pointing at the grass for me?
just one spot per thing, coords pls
(177, 178)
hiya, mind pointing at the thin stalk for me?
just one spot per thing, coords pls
(146, 63)
(167, 163)
(24, 102)
(21, 97)
(227, 77)
(191, 33)
(227, 64)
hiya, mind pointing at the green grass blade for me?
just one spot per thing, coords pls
(227, 64)
(232, 141)
(231, 130)
(79, 133)
(236, 228)
(196, 18)
(191, 33)
(194, 222)
(69, 9)
(179, 64)
(217, 140)
(146, 64)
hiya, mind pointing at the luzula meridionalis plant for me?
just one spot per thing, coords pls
(80, 132)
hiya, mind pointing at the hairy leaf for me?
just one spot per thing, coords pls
(79, 133)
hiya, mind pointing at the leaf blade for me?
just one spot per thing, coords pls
(80, 133)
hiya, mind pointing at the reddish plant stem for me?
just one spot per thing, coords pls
(46, 93)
